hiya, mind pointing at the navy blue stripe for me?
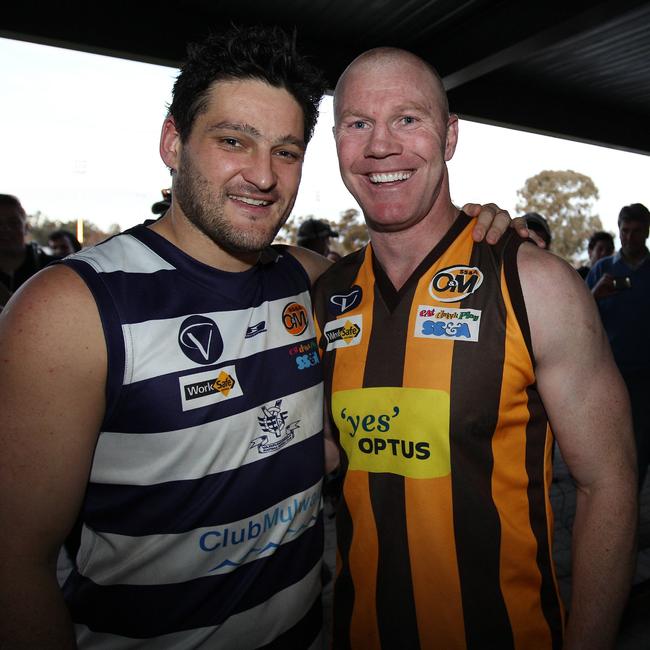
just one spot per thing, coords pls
(154, 405)
(112, 332)
(180, 506)
(144, 611)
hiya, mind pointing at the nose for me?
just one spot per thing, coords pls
(260, 172)
(382, 142)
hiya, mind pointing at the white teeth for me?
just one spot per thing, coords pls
(246, 199)
(389, 177)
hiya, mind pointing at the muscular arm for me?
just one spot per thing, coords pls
(52, 381)
(589, 412)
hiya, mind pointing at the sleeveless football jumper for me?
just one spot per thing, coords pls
(201, 526)
(444, 532)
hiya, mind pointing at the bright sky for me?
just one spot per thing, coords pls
(80, 132)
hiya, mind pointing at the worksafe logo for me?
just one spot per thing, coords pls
(200, 340)
(455, 283)
(344, 302)
(447, 323)
(344, 332)
(295, 318)
(206, 388)
(276, 432)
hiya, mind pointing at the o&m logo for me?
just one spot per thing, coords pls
(455, 283)
(295, 318)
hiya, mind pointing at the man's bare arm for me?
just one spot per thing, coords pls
(52, 382)
(589, 412)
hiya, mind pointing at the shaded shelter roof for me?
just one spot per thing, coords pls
(579, 70)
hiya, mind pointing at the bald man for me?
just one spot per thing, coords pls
(451, 366)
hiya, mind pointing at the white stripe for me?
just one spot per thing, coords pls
(195, 452)
(123, 253)
(156, 351)
(108, 558)
(250, 629)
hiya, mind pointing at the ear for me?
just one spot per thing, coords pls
(170, 144)
(452, 137)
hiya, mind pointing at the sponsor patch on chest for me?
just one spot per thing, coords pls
(206, 388)
(453, 324)
(344, 332)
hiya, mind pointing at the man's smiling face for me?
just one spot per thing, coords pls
(237, 175)
(393, 138)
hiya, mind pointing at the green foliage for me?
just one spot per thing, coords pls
(566, 199)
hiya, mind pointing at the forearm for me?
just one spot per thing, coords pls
(34, 614)
(604, 544)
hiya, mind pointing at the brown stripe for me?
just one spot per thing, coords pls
(396, 614)
(475, 391)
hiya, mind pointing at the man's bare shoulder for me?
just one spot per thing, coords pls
(53, 310)
(545, 275)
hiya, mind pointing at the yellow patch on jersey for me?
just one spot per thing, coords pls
(403, 431)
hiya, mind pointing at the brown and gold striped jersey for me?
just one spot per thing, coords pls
(444, 529)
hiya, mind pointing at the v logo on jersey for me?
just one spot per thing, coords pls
(200, 340)
(343, 302)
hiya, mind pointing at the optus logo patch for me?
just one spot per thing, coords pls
(455, 283)
(403, 431)
(295, 318)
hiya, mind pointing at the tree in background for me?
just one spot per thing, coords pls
(566, 199)
(353, 233)
(41, 226)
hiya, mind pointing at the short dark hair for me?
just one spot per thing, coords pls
(11, 201)
(635, 212)
(601, 235)
(261, 53)
(66, 234)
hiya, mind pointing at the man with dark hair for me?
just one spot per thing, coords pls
(19, 260)
(171, 432)
(450, 367)
(174, 425)
(600, 244)
(63, 243)
(621, 286)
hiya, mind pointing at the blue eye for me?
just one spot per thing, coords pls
(358, 124)
(408, 119)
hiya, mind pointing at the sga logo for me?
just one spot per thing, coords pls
(455, 283)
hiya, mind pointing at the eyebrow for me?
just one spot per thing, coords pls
(249, 129)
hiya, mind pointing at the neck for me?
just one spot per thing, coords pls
(636, 259)
(401, 252)
(176, 228)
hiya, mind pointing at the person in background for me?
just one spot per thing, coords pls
(450, 366)
(63, 243)
(601, 244)
(19, 259)
(315, 234)
(537, 223)
(621, 286)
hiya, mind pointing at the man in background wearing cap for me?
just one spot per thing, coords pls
(538, 224)
(315, 234)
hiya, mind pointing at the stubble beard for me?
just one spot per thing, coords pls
(206, 211)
